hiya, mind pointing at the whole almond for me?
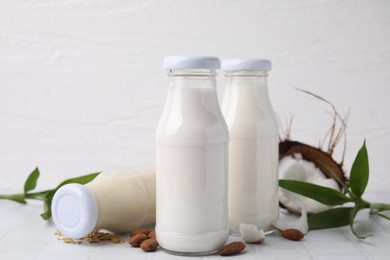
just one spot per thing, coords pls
(232, 248)
(149, 245)
(293, 234)
(137, 239)
(152, 234)
(140, 231)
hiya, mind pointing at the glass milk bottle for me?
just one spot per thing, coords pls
(191, 160)
(118, 200)
(253, 147)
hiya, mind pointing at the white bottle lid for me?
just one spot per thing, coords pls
(192, 62)
(246, 64)
(74, 210)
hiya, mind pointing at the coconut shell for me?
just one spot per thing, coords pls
(314, 155)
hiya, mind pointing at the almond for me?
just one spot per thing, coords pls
(137, 239)
(149, 245)
(232, 248)
(292, 234)
(152, 234)
(140, 231)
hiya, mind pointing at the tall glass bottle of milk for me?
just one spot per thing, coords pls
(191, 160)
(253, 147)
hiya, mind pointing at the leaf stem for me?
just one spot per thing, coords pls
(8, 196)
(36, 195)
(382, 215)
(379, 206)
(14, 197)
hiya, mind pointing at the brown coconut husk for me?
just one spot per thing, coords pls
(314, 155)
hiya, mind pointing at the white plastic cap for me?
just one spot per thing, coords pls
(246, 64)
(74, 210)
(192, 62)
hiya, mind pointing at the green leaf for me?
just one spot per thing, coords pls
(321, 194)
(332, 218)
(31, 181)
(46, 215)
(80, 180)
(358, 178)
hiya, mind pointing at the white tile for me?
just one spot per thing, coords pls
(333, 248)
(17, 255)
(342, 257)
(59, 246)
(332, 234)
(31, 245)
(382, 257)
(275, 245)
(286, 257)
(63, 256)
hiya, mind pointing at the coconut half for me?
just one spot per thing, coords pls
(299, 161)
(302, 162)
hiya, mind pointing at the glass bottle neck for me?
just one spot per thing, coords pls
(252, 78)
(192, 78)
(246, 90)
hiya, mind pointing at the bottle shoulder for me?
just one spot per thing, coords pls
(192, 116)
(248, 112)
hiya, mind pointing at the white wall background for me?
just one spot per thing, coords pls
(82, 84)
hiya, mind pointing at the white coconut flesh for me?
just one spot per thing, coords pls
(296, 168)
(251, 234)
(287, 221)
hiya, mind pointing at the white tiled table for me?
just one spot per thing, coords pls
(24, 235)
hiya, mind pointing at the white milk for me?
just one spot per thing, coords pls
(191, 167)
(117, 200)
(126, 197)
(253, 150)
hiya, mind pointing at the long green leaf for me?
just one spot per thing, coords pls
(31, 181)
(80, 180)
(359, 175)
(321, 194)
(332, 218)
